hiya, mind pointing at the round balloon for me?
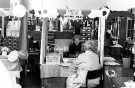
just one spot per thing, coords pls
(19, 11)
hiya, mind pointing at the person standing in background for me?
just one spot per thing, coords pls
(108, 42)
(75, 47)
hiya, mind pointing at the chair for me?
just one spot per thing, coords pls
(23, 73)
(100, 75)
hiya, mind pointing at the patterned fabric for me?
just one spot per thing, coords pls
(11, 42)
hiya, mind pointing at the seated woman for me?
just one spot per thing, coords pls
(75, 46)
(88, 66)
(89, 60)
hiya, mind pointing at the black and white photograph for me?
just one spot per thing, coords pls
(67, 43)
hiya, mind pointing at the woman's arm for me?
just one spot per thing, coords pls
(23, 54)
(79, 60)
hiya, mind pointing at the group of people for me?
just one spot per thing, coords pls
(88, 70)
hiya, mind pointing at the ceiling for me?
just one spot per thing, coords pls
(79, 4)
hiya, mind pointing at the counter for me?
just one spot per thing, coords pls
(57, 70)
(55, 75)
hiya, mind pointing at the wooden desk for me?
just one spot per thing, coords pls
(54, 75)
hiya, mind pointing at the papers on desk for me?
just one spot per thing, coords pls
(65, 64)
(53, 58)
(3, 57)
(111, 63)
(106, 59)
(129, 84)
(68, 60)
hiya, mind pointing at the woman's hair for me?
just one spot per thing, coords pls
(90, 45)
(76, 37)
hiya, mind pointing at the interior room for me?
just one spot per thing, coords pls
(67, 44)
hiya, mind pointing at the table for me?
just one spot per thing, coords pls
(55, 75)
(48, 70)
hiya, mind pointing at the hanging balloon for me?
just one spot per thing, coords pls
(52, 13)
(61, 12)
(95, 13)
(85, 13)
(44, 11)
(19, 10)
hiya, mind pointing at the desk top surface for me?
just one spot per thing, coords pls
(121, 75)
